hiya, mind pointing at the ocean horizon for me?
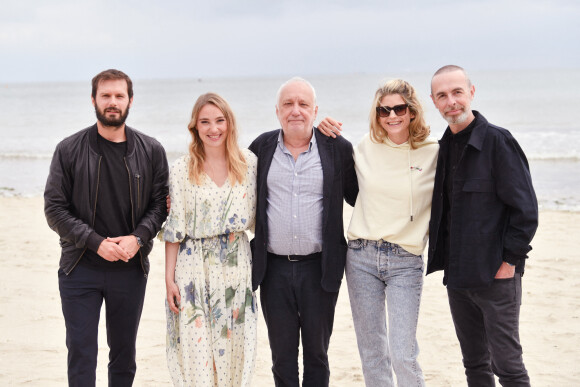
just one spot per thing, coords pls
(535, 106)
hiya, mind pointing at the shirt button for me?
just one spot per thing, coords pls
(295, 237)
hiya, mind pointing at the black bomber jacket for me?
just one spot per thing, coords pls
(73, 182)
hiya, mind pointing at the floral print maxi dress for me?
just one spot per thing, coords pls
(212, 341)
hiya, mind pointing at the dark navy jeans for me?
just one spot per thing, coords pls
(82, 293)
(487, 326)
(293, 302)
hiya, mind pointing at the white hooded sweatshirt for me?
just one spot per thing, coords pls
(395, 188)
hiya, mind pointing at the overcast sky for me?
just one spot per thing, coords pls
(56, 40)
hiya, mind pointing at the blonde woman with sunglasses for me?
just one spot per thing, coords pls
(395, 166)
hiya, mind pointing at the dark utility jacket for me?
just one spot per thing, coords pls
(73, 182)
(339, 183)
(494, 213)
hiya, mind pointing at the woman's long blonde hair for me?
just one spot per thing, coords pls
(418, 129)
(236, 161)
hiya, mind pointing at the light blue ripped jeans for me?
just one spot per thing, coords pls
(375, 270)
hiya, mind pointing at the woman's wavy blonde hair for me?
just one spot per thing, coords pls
(236, 161)
(418, 129)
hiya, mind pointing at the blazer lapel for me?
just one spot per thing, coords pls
(265, 160)
(266, 154)
(326, 152)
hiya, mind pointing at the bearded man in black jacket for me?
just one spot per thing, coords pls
(105, 198)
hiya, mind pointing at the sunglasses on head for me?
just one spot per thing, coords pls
(385, 111)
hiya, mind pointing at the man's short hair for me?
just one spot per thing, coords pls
(295, 80)
(450, 68)
(111, 75)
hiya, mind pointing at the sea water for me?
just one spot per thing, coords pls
(536, 106)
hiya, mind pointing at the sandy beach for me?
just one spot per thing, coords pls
(32, 333)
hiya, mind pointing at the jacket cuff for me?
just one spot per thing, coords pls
(143, 233)
(513, 259)
(94, 241)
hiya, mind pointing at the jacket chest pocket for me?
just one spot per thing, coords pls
(479, 197)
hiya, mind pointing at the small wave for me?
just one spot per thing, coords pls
(554, 157)
(559, 205)
(18, 191)
(48, 156)
(25, 156)
(174, 155)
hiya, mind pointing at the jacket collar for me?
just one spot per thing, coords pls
(479, 131)
(319, 137)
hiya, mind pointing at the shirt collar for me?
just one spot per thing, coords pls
(283, 147)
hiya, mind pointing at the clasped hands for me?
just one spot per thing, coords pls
(119, 248)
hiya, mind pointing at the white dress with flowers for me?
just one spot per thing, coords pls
(212, 341)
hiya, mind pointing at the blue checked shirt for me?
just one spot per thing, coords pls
(295, 201)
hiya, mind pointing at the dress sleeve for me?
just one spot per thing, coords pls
(174, 229)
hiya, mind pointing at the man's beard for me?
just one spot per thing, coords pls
(115, 122)
(456, 119)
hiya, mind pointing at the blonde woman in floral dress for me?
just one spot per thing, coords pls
(211, 309)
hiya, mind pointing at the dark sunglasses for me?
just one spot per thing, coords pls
(385, 111)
